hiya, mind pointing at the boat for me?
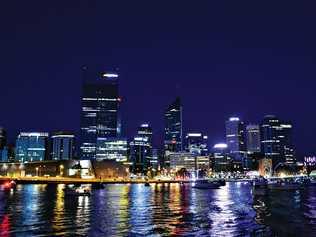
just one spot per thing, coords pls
(206, 184)
(220, 182)
(78, 191)
(147, 184)
(9, 185)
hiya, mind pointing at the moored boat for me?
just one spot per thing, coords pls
(78, 191)
(206, 184)
(8, 185)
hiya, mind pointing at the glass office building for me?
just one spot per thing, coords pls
(276, 140)
(141, 152)
(100, 111)
(221, 161)
(253, 138)
(3, 138)
(235, 138)
(32, 146)
(63, 146)
(173, 127)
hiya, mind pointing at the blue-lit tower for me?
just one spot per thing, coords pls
(32, 146)
(100, 111)
(63, 146)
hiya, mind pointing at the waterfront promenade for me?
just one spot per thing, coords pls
(66, 180)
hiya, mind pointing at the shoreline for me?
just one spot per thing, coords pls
(58, 180)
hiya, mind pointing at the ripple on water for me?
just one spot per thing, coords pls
(158, 210)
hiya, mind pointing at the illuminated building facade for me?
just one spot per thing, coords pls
(276, 140)
(188, 161)
(63, 146)
(173, 127)
(3, 138)
(141, 149)
(4, 154)
(253, 138)
(112, 149)
(220, 159)
(196, 143)
(235, 139)
(100, 111)
(287, 143)
(182, 160)
(32, 146)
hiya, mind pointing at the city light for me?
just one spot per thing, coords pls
(110, 75)
(220, 146)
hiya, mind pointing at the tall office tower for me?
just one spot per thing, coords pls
(100, 111)
(196, 144)
(276, 140)
(220, 159)
(287, 143)
(11, 152)
(4, 154)
(32, 147)
(63, 146)
(141, 149)
(173, 127)
(253, 138)
(154, 162)
(3, 138)
(235, 138)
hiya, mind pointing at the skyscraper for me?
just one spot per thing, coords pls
(3, 138)
(196, 144)
(235, 138)
(63, 146)
(253, 138)
(173, 127)
(141, 149)
(287, 142)
(100, 111)
(220, 159)
(32, 147)
(276, 140)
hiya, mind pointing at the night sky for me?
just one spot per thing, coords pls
(223, 58)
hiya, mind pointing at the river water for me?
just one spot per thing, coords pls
(158, 210)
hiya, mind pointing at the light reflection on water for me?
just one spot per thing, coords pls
(158, 210)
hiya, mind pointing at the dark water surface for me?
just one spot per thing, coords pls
(158, 210)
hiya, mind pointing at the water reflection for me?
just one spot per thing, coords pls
(110, 211)
(5, 226)
(157, 210)
(287, 213)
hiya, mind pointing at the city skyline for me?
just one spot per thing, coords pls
(118, 123)
(157, 118)
(227, 66)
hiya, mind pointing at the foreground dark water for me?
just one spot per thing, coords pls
(158, 210)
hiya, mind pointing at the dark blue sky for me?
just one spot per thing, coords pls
(222, 57)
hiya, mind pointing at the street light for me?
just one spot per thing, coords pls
(61, 170)
(36, 171)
